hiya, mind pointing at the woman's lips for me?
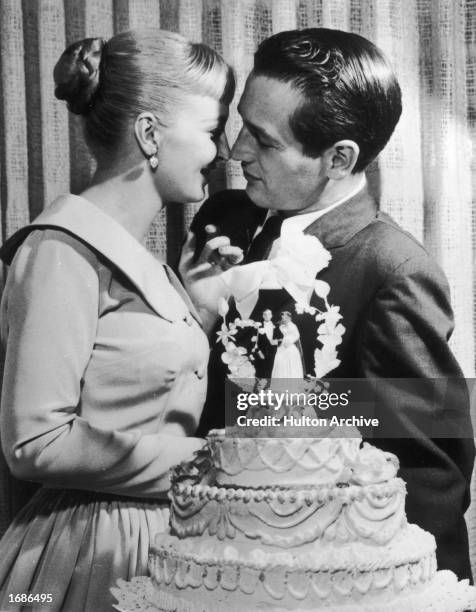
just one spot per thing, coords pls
(205, 172)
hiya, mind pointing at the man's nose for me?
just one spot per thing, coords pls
(223, 148)
(242, 149)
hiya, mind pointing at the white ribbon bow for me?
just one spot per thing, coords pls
(299, 259)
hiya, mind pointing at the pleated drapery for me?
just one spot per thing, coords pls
(425, 178)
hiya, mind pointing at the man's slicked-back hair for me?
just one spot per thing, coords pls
(349, 90)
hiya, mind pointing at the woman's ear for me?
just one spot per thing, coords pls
(341, 159)
(147, 133)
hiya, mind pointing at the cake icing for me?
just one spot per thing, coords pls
(295, 524)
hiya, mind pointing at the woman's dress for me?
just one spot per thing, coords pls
(105, 376)
(288, 359)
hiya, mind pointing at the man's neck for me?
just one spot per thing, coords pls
(333, 194)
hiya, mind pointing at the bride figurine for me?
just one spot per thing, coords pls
(288, 359)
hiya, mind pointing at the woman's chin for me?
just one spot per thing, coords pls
(190, 197)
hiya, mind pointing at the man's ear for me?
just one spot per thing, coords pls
(341, 159)
(146, 131)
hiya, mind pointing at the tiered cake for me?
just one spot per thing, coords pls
(296, 524)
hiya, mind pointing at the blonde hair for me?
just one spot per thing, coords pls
(110, 83)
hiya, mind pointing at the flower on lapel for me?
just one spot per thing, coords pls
(305, 250)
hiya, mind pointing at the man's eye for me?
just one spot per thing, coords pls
(263, 145)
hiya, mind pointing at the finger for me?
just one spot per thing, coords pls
(200, 270)
(226, 263)
(211, 230)
(233, 254)
(188, 249)
(210, 250)
(190, 242)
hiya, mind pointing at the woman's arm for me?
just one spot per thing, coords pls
(49, 321)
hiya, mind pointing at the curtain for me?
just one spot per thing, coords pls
(425, 178)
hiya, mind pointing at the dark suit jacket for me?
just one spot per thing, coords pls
(265, 353)
(395, 305)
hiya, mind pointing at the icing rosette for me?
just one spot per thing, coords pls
(373, 466)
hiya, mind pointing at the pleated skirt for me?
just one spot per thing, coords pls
(65, 549)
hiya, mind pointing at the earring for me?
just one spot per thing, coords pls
(153, 161)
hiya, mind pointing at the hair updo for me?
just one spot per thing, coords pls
(77, 74)
(110, 83)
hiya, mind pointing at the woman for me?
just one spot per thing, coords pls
(288, 359)
(105, 369)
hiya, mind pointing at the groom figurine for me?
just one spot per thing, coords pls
(265, 347)
(318, 107)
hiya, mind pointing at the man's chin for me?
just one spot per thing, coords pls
(256, 196)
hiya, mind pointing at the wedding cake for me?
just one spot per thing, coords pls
(295, 524)
(266, 523)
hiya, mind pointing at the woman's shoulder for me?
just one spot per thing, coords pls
(47, 254)
(52, 274)
(57, 244)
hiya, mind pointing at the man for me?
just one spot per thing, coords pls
(264, 349)
(317, 108)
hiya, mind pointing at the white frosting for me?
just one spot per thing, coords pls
(295, 524)
(251, 462)
(410, 546)
(318, 578)
(290, 517)
(442, 594)
(372, 465)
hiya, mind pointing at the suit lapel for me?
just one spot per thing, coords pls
(337, 227)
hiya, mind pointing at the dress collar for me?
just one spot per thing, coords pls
(84, 220)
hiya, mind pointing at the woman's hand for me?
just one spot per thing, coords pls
(201, 275)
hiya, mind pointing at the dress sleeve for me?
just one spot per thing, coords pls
(49, 320)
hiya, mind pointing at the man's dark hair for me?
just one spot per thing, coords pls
(348, 86)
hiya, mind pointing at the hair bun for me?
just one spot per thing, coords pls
(76, 74)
